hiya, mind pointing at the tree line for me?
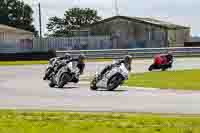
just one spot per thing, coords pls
(17, 14)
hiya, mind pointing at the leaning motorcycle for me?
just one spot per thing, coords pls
(65, 75)
(163, 65)
(52, 65)
(111, 79)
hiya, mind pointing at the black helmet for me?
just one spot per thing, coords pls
(67, 56)
(81, 57)
(128, 58)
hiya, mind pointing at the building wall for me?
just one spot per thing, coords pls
(176, 38)
(130, 34)
(14, 36)
(134, 34)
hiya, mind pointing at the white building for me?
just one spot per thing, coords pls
(11, 33)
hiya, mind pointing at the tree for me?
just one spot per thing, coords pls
(17, 14)
(74, 18)
(57, 27)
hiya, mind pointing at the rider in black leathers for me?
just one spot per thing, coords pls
(80, 65)
(169, 56)
(54, 61)
(127, 60)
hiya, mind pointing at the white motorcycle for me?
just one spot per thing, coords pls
(65, 75)
(111, 79)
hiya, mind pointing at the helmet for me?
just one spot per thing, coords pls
(67, 56)
(169, 55)
(81, 57)
(169, 52)
(128, 58)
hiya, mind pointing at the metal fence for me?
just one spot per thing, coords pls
(44, 44)
(137, 53)
(93, 43)
(102, 46)
(73, 43)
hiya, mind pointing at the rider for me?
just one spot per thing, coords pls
(67, 56)
(163, 59)
(80, 65)
(127, 60)
(80, 62)
(54, 60)
(169, 57)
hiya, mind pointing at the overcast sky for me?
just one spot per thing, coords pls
(183, 12)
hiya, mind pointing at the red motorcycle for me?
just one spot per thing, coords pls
(162, 62)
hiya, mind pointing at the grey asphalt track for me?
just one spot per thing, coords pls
(22, 87)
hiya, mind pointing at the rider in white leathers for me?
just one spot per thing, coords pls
(126, 60)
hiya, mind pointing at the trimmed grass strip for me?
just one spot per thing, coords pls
(181, 80)
(61, 122)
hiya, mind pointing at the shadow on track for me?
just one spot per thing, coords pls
(67, 88)
(113, 91)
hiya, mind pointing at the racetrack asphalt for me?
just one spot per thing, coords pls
(22, 87)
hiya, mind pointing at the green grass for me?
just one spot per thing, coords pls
(99, 60)
(60, 122)
(184, 80)
(13, 63)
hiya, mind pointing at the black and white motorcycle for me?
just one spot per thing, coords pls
(111, 79)
(52, 66)
(68, 73)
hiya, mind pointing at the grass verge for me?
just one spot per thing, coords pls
(183, 80)
(60, 122)
(13, 63)
(9, 63)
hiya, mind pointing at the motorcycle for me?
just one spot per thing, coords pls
(65, 75)
(52, 65)
(161, 62)
(111, 79)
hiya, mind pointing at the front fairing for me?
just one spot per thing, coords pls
(118, 69)
(124, 71)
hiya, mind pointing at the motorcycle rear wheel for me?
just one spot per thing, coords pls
(93, 85)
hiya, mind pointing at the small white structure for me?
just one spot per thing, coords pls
(11, 33)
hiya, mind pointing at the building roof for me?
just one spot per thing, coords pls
(6, 28)
(150, 21)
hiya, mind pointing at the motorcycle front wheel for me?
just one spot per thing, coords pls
(51, 84)
(64, 78)
(151, 67)
(114, 82)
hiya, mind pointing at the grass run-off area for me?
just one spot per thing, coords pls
(10, 63)
(13, 63)
(183, 80)
(60, 122)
